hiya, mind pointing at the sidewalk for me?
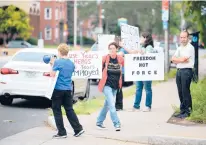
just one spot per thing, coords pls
(137, 127)
(146, 127)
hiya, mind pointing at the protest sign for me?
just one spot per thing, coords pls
(144, 67)
(87, 64)
(52, 83)
(129, 36)
(103, 41)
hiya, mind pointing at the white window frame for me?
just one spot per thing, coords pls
(56, 13)
(45, 33)
(48, 13)
(56, 33)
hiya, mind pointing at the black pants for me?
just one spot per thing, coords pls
(119, 97)
(183, 80)
(64, 98)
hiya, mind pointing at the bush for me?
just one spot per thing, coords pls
(86, 41)
(33, 41)
(198, 92)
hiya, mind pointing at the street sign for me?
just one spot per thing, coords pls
(165, 10)
(165, 25)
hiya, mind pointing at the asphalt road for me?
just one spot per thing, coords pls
(23, 114)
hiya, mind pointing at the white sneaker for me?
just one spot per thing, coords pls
(118, 128)
(146, 109)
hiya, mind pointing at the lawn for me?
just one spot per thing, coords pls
(198, 92)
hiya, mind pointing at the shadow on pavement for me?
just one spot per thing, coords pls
(35, 104)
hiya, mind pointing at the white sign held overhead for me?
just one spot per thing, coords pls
(144, 67)
(129, 36)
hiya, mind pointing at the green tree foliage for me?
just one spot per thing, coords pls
(145, 14)
(175, 17)
(193, 14)
(14, 21)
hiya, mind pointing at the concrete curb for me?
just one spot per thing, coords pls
(150, 139)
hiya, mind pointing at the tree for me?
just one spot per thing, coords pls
(137, 13)
(175, 17)
(197, 19)
(14, 21)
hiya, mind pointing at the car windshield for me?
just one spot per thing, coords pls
(94, 47)
(171, 46)
(30, 56)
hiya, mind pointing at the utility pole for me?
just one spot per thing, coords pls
(75, 23)
(165, 19)
(100, 14)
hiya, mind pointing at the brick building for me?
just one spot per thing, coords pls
(49, 20)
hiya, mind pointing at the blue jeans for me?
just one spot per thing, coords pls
(148, 88)
(109, 105)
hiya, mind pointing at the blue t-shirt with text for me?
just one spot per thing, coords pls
(66, 69)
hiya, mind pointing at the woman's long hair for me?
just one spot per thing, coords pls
(149, 40)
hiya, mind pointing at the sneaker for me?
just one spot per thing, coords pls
(57, 136)
(136, 110)
(101, 126)
(118, 128)
(119, 109)
(183, 116)
(77, 134)
(147, 109)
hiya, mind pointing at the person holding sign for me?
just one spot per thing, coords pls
(184, 57)
(111, 81)
(62, 93)
(146, 46)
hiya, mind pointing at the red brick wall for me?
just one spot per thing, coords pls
(35, 23)
(53, 22)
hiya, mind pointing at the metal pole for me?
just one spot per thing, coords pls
(167, 64)
(75, 23)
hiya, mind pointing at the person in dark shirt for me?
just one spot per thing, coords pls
(62, 93)
(109, 84)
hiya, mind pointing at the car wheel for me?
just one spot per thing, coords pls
(6, 100)
(87, 93)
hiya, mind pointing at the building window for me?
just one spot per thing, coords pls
(48, 33)
(57, 14)
(61, 13)
(48, 13)
(56, 33)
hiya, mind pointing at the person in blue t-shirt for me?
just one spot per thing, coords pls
(62, 94)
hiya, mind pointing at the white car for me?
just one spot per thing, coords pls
(26, 76)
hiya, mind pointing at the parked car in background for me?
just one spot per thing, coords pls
(172, 49)
(20, 44)
(26, 76)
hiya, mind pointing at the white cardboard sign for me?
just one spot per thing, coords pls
(144, 67)
(87, 64)
(103, 41)
(52, 84)
(129, 36)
